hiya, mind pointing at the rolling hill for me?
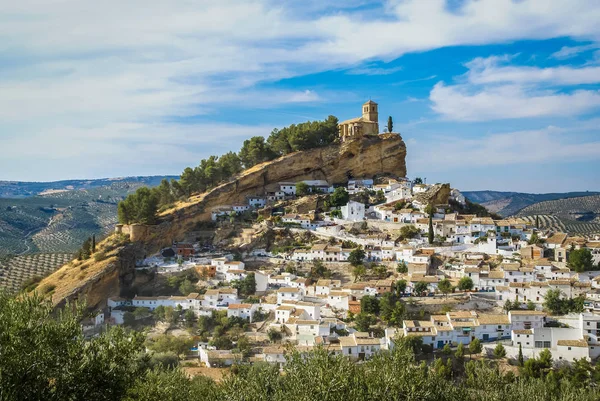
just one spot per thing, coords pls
(49, 218)
(579, 215)
(510, 203)
(21, 189)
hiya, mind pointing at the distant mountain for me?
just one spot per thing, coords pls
(56, 217)
(510, 203)
(22, 189)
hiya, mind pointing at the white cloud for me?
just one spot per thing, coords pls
(491, 71)
(94, 67)
(567, 52)
(493, 90)
(373, 70)
(126, 148)
(459, 102)
(550, 144)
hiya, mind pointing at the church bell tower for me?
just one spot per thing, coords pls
(370, 112)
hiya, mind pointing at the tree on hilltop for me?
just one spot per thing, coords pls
(390, 124)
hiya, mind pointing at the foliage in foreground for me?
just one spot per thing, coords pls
(45, 357)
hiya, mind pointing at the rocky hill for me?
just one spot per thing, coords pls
(383, 155)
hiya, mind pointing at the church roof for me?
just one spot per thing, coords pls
(357, 120)
(369, 102)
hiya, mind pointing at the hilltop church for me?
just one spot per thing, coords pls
(368, 124)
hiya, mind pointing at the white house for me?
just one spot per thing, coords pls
(257, 201)
(244, 311)
(353, 211)
(357, 185)
(360, 346)
(289, 188)
(289, 294)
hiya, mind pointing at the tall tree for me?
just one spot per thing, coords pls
(421, 287)
(465, 284)
(339, 197)
(430, 234)
(390, 124)
(254, 151)
(445, 287)
(302, 189)
(581, 260)
(356, 257)
(499, 351)
(520, 358)
(45, 355)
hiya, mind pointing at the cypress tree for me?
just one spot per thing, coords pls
(520, 358)
(430, 233)
(390, 124)
(94, 243)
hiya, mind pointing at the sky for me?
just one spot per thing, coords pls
(487, 94)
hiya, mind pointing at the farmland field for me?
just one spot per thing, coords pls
(15, 271)
(579, 215)
(58, 221)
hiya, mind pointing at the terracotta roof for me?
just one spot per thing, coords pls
(527, 312)
(559, 282)
(493, 319)
(496, 274)
(288, 289)
(557, 239)
(239, 306)
(461, 314)
(573, 343)
(523, 331)
(417, 323)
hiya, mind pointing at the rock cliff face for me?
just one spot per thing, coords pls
(94, 281)
(364, 157)
(438, 194)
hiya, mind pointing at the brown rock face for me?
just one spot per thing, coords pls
(364, 157)
(438, 194)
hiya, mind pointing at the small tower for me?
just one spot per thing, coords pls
(370, 112)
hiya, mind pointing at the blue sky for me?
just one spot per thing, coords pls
(487, 94)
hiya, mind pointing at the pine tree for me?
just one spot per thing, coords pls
(499, 351)
(460, 352)
(390, 124)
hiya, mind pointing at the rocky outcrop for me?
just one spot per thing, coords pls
(374, 156)
(93, 281)
(437, 194)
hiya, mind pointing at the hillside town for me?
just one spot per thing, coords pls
(380, 260)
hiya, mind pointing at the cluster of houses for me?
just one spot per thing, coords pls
(519, 329)
(280, 191)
